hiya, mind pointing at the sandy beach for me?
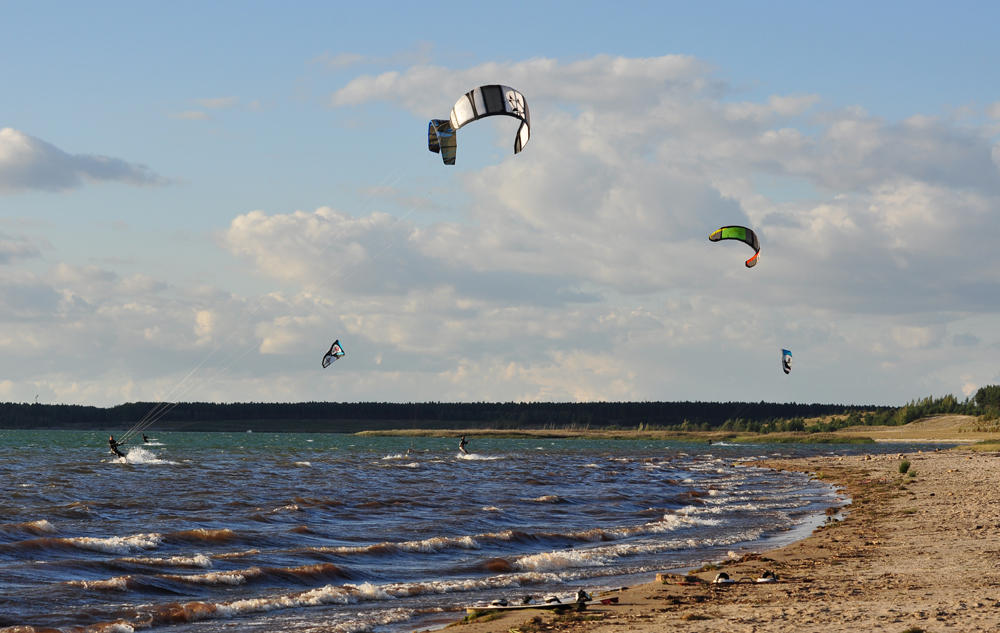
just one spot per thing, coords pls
(910, 554)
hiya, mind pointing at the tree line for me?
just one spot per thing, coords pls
(758, 417)
(499, 415)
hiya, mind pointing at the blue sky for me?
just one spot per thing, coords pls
(801, 118)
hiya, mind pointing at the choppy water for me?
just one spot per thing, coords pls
(200, 532)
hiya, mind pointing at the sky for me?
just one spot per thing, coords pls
(197, 200)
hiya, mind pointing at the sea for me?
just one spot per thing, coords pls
(199, 532)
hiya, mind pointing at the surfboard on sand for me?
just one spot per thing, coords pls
(577, 605)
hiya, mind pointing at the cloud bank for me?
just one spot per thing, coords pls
(580, 269)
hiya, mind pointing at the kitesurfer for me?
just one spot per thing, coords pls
(145, 439)
(114, 446)
(461, 445)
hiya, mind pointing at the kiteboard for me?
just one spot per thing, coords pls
(502, 605)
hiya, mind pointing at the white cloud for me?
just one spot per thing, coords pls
(14, 248)
(580, 269)
(29, 163)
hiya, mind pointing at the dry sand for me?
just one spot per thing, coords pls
(913, 554)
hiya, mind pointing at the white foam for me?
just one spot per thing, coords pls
(228, 555)
(307, 464)
(111, 584)
(396, 456)
(545, 499)
(139, 455)
(217, 578)
(198, 560)
(117, 544)
(491, 509)
(426, 546)
(40, 527)
(477, 457)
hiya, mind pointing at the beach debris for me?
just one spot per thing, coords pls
(767, 576)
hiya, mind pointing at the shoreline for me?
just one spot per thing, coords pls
(912, 553)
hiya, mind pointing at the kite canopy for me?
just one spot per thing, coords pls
(478, 104)
(336, 352)
(786, 361)
(742, 234)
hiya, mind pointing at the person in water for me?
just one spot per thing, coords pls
(461, 445)
(114, 446)
(145, 439)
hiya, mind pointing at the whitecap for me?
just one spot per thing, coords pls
(117, 544)
(198, 560)
(139, 455)
(112, 584)
(477, 457)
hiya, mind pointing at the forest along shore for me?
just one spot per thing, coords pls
(912, 553)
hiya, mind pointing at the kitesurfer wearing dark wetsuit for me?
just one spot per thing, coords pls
(461, 445)
(145, 439)
(114, 446)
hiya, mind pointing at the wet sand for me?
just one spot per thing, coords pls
(911, 553)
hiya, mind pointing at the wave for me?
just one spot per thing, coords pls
(203, 535)
(35, 528)
(178, 613)
(108, 545)
(668, 523)
(477, 457)
(547, 499)
(425, 546)
(605, 555)
(305, 464)
(119, 583)
(197, 560)
(233, 578)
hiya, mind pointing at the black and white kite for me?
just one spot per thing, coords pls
(484, 101)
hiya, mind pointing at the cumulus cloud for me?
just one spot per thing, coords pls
(580, 269)
(29, 163)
